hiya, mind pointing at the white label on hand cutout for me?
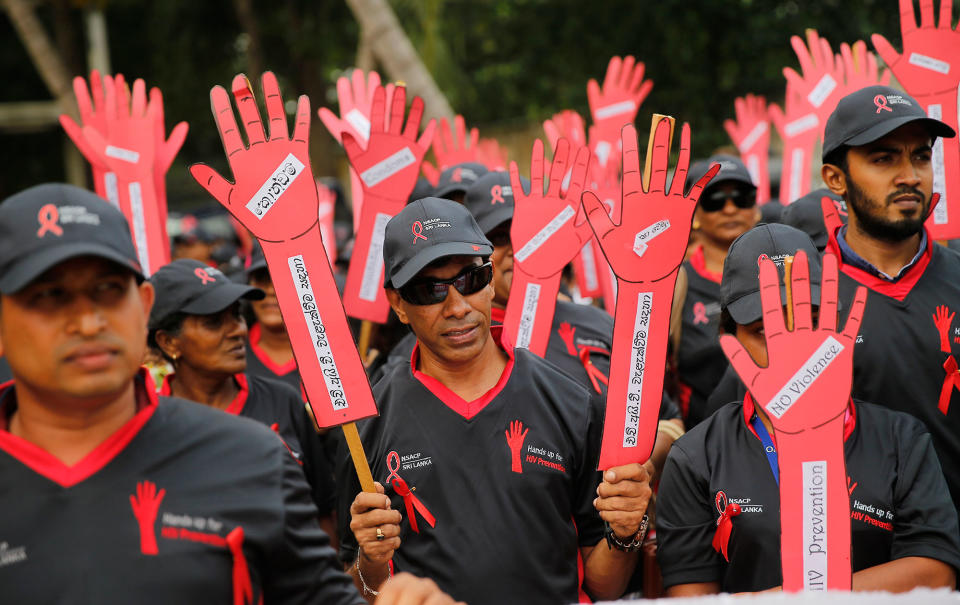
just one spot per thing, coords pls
(801, 125)
(589, 266)
(110, 185)
(527, 315)
(638, 363)
(822, 90)
(282, 178)
(614, 109)
(127, 155)
(644, 237)
(815, 525)
(751, 139)
(930, 63)
(139, 227)
(815, 365)
(940, 215)
(544, 234)
(797, 175)
(373, 266)
(359, 122)
(388, 167)
(318, 332)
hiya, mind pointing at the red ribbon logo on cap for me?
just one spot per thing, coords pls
(411, 502)
(700, 313)
(417, 230)
(204, 276)
(48, 217)
(881, 102)
(497, 192)
(456, 178)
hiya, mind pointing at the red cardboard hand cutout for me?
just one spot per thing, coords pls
(167, 149)
(93, 112)
(388, 169)
(491, 154)
(798, 127)
(860, 68)
(805, 390)
(546, 233)
(615, 104)
(645, 250)
(275, 197)
(929, 70)
(567, 124)
(821, 85)
(751, 134)
(128, 150)
(452, 148)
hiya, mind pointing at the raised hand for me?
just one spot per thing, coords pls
(751, 134)
(355, 97)
(809, 370)
(942, 320)
(798, 127)
(274, 195)
(618, 101)
(860, 67)
(930, 62)
(821, 85)
(91, 103)
(648, 219)
(452, 148)
(545, 231)
(491, 154)
(566, 124)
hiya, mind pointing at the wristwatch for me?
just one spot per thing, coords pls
(635, 542)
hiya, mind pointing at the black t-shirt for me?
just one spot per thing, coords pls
(276, 405)
(182, 504)
(900, 506)
(898, 362)
(700, 360)
(729, 388)
(510, 520)
(260, 364)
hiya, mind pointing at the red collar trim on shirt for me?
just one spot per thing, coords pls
(277, 368)
(235, 407)
(849, 418)
(467, 409)
(897, 290)
(699, 263)
(497, 315)
(45, 464)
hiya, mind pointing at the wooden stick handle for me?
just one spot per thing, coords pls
(653, 130)
(359, 457)
(366, 329)
(788, 285)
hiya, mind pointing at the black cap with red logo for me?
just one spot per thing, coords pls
(189, 286)
(47, 224)
(872, 113)
(490, 199)
(425, 231)
(458, 178)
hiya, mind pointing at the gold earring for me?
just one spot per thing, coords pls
(696, 224)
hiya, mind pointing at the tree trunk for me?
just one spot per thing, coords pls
(397, 55)
(45, 57)
(254, 50)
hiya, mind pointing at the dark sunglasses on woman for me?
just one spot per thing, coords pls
(432, 291)
(742, 199)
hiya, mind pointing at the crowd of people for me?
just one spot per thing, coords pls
(156, 443)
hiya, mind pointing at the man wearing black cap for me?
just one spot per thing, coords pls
(877, 155)
(109, 495)
(455, 180)
(491, 459)
(727, 208)
(718, 507)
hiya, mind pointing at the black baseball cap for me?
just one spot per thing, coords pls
(740, 287)
(458, 178)
(256, 261)
(490, 199)
(872, 113)
(732, 168)
(425, 231)
(45, 225)
(189, 286)
(806, 214)
(422, 189)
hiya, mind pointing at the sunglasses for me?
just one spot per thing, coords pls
(718, 199)
(432, 291)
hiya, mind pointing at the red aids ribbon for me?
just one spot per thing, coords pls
(881, 102)
(593, 372)
(204, 276)
(48, 217)
(700, 313)
(411, 502)
(456, 176)
(242, 586)
(417, 230)
(497, 192)
(950, 381)
(727, 510)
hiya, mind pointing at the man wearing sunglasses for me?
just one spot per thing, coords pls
(489, 461)
(727, 209)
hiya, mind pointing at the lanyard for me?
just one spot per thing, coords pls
(769, 449)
